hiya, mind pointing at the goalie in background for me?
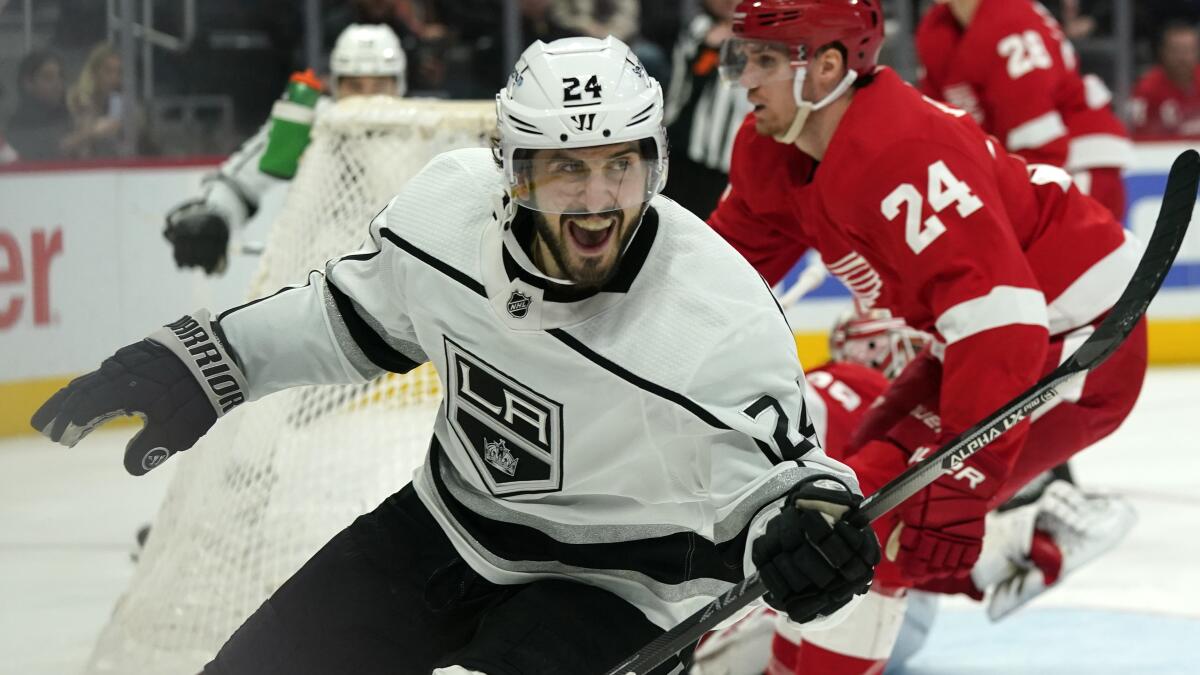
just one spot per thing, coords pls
(367, 60)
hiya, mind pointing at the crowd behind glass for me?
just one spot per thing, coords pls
(61, 96)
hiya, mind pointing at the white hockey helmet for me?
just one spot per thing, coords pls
(368, 50)
(580, 92)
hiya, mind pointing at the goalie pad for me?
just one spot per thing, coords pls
(1082, 526)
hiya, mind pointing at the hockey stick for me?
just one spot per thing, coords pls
(1173, 218)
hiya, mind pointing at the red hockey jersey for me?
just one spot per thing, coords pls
(929, 218)
(847, 391)
(1016, 73)
(1162, 110)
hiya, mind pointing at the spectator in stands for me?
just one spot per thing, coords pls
(476, 25)
(618, 18)
(99, 109)
(40, 128)
(661, 22)
(598, 18)
(7, 153)
(1166, 101)
(703, 111)
(1151, 18)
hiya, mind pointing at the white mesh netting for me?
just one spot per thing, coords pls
(275, 479)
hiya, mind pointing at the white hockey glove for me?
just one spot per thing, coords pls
(179, 381)
(1029, 549)
(199, 235)
(1062, 531)
(818, 552)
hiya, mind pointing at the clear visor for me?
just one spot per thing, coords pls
(750, 63)
(594, 179)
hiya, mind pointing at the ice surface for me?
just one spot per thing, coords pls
(68, 518)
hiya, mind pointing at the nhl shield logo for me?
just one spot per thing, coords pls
(518, 305)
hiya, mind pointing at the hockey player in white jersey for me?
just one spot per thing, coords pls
(623, 434)
(367, 60)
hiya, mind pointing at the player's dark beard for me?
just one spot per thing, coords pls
(589, 274)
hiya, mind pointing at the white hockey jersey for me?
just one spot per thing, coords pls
(625, 437)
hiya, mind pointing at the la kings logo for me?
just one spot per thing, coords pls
(496, 453)
(518, 305)
(512, 433)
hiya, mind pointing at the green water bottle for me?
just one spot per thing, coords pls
(291, 121)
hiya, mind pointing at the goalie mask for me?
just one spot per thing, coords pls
(877, 340)
(368, 50)
(774, 40)
(593, 98)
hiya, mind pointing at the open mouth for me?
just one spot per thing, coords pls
(591, 235)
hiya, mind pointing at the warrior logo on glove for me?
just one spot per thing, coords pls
(179, 381)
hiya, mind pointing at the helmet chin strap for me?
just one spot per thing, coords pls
(804, 108)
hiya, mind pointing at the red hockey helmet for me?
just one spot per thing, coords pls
(768, 34)
(807, 25)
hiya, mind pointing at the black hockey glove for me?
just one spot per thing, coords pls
(179, 381)
(199, 235)
(818, 553)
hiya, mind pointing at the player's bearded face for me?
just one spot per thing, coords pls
(588, 202)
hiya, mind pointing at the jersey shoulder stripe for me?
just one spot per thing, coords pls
(669, 559)
(639, 382)
(372, 344)
(445, 268)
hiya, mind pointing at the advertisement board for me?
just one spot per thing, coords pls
(84, 269)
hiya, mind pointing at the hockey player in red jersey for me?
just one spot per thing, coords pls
(1027, 549)
(1008, 63)
(920, 213)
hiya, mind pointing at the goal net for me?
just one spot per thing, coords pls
(275, 479)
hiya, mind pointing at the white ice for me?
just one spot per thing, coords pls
(68, 518)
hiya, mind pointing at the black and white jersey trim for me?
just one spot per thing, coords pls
(370, 342)
(255, 301)
(780, 481)
(682, 558)
(658, 390)
(457, 275)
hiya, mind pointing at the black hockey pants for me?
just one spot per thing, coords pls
(389, 594)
